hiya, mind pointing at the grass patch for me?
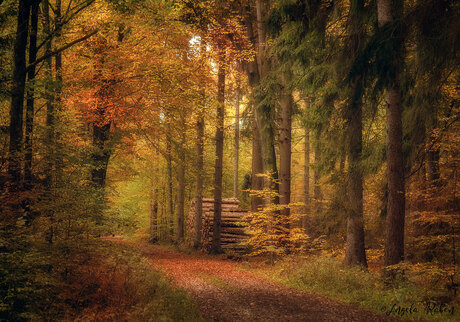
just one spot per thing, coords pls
(418, 296)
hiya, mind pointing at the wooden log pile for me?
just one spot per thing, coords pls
(232, 233)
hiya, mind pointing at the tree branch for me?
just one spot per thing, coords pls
(57, 51)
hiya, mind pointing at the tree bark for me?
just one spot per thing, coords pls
(101, 155)
(49, 101)
(355, 253)
(394, 241)
(153, 218)
(181, 187)
(170, 185)
(216, 242)
(199, 179)
(50, 122)
(286, 104)
(17, 96)
(263, 112)
(252, 70)
(434, 173)
(355, 249)
(236, 141)
(30, 96)
(306, 180)
(57, 95)
(317, 176)
(257, 183)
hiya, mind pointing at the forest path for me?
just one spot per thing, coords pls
(225, 291)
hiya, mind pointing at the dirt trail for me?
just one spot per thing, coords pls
(225, 292)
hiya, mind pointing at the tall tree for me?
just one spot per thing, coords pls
(317, 193)
(30, 95)
(264, 109)
(394, 236)
(355, 248)
(169, 219)
(236, 138)
(252, 71)
(306, 178)
(286, 105)
(199, 177)
(216, 247)
(50, 117)
(17, 95)
(180, 215)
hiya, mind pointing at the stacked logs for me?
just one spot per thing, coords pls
(232, 233)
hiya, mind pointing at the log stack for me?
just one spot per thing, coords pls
(232, 233)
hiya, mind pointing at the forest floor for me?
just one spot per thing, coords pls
(226, 290)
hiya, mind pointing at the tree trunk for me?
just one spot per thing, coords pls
(434, 173)
(263, 112)
(394, 241)
(317, 176)
(306, 178)
(49, 101)
(199, 180)
(252, 70)
(355, 250)
(58, 91)
(237, 141)
(17, 97)
(181, 187)
(101, 155)
(170, 220)
(355, 253)
(50, 122)
(286, 103)
(257, 183)
(30, 96)
(153, 218)
(216, 243)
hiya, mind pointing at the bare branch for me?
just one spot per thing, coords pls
(57, 51)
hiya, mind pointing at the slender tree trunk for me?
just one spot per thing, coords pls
(394, 241)
(262, 62)
(181, 188)
(17, 97)
(263, 113)
(50, 122)
(306, 178)
(355, 250)
(101, 156)
(57, 95)
(237, 141)
(252, 70)
(286, 104)
(216, 244)
(30, 96)
(199, 179)
(434, 173)
(49, 101)
(317, 176)
(200, 161)
(170, 186)
(257, 182)
(153, 218)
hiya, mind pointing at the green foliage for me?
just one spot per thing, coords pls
(25, 289)
(89, 280)
(423, 286)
